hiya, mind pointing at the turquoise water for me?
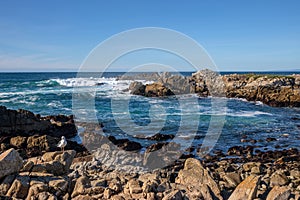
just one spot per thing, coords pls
(51, 93)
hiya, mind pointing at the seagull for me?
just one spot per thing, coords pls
(62, 143)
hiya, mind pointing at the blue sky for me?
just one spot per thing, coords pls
(238, 35)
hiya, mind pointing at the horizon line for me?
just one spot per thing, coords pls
(288, 70)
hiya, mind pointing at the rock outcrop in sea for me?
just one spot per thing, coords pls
(273, 90)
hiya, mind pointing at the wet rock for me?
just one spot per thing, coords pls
(155, 146)
(270, 139)
(157, 90)
(278, 178)
(246, 189)
(160, 137)
(130, 145)
(150, 90)
(137, 88)
(25, 123)
(125, 144)
(279, 193)
(235, 150)
(10, 162)
(195, 174)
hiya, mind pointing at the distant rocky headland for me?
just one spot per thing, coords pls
(273, 90)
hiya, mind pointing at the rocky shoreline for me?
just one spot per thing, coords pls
(32, 167)
(57, 175)
(273, 90)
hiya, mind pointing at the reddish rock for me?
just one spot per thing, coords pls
(246, 189)
(279, 193)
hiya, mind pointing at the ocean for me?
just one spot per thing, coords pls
(51, 94)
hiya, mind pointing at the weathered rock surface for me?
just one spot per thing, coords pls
(279, 91)
(10, 162)
(160, 137)
(246, 189)
(278, 178)
(25, 123)
(279, 193)
(88, 178)
(125, 144)
(276, 91)
(57, 163)
(39, 178)
(137, 88)
(20, 187)
(194, 174)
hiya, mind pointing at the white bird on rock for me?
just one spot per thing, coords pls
(62, 143)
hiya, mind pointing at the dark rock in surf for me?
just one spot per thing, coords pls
(161, 137)
(137, 88)
(25, 123)
(125, 144)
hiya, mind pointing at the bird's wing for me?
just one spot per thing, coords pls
(60, 143)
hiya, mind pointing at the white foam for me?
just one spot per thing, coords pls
(83, 82)
(55, 104)
(248, 114)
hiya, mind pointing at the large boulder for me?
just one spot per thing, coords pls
(125, 144)
(279, 193)
(195, 174)
(137, 88)
(43, 143)
(18, 142)
(57, 163)
(279, 178)
(25, 123)
(208, 82)
(177, 84)
(10, 162)
(157, 90)
(82, 184)
(246, 189)
(160, 137)
(19, 188)
(6, 183)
